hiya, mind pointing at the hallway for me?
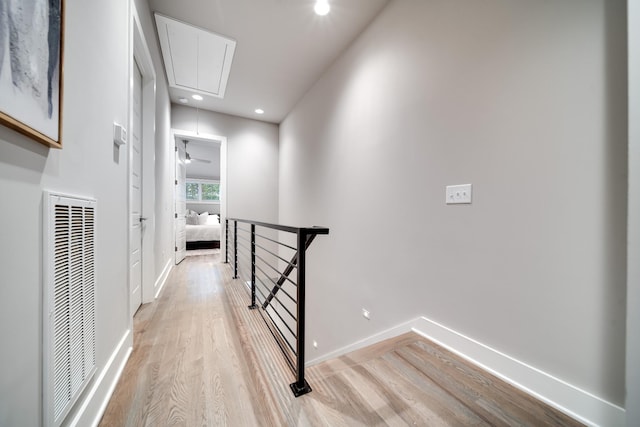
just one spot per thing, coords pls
(194, 364)
(183, 369)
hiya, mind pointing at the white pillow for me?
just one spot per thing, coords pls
(202, 218)
(213, 220)
(192, 219)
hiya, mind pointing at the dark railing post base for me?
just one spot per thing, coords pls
(299, 391)
(252, 307)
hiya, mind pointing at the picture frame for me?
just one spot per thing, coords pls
(31, 68)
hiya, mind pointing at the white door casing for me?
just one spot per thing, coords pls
(179, 135)
(140, 59)
(135, 194)
(180, 198)
(633, 218)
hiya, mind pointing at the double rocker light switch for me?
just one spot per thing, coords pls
(458, 194)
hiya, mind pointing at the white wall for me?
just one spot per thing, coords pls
(633, 255)
(252, 159)
(96, 72)
(204, 207)
(526, 100)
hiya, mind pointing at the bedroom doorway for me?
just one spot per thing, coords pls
(200, 196)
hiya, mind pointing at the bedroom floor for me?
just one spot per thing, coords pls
(200, 252)
(202, 358)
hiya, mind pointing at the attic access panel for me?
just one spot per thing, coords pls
(195, 59)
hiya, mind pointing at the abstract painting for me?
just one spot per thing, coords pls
(31, 38)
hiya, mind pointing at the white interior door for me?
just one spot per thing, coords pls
(135, 194)
(181, 202)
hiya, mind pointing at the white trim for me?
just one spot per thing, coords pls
(571, 400)
(632, 373)
(203, 181)
(166, 25)
(224, 197)
(373, 339)
(99, 396)
(162, 279)
(565, 397)
(140, 53)
(197, 136)
(203, 202)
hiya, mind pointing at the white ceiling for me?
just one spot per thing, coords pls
(208, 150)
(282, 47)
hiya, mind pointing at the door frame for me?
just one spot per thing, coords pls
(180, 176)
(633, 217)
(224, 197)
(139, 53)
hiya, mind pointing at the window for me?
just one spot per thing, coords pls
(193, 191)
(210, 192)
(199, 190)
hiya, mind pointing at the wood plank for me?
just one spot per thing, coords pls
(202, 358)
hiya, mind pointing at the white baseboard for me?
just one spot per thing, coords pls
(563, 396)
(95, 403)
(381, 336)
(162, 279)
(579, 404)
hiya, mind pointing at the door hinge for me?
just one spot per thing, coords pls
(176, 148)
(176, 182)
(176, 249)
(176, 215)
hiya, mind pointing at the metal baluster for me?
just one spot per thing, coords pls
(235, 249)
(253, 267)
(226, 241)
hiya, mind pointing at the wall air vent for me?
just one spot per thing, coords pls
(69, 337)
(195, 59)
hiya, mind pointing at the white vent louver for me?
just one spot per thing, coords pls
(69, 302)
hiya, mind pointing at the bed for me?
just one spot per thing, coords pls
(202, 230)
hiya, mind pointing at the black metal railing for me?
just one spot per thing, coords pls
(265, 256)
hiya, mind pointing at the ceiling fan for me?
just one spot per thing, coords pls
(190, 159)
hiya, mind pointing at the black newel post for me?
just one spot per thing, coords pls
(301, 386)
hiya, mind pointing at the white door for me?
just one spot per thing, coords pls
(135, 193)
(181, 202)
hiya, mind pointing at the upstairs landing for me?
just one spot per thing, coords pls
(201, 358)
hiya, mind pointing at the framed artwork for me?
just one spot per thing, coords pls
(31, 54)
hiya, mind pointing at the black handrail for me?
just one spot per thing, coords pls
(304, 237)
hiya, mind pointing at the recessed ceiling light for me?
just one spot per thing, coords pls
(259, 111)
(197, 97)
(183, 100)
(322, 7)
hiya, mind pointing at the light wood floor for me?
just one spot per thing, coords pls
(201, 358)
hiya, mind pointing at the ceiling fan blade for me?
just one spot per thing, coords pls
(190, 159)
(193, 159)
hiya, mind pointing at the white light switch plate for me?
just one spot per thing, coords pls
(119, 134)
(458, 194)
